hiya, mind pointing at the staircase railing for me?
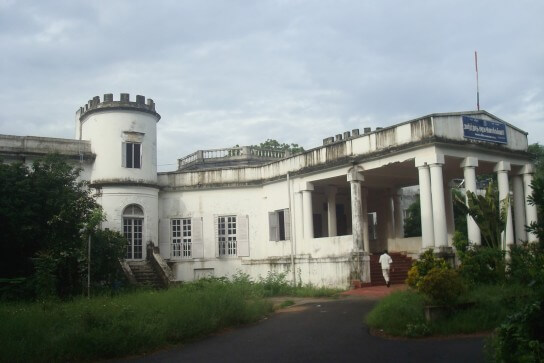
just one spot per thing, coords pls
(160, 266)
(128, 272)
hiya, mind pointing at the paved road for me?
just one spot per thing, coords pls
(325, 331)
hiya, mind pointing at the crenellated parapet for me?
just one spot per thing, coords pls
(124, 104)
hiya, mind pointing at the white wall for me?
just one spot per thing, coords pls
(114, 199)
(106, 130)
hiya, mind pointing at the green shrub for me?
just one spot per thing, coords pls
(526, 265)
(442, 286)
(16, 288)
(483, 265)
(460, 242)
(275, 284)
(427, 261)
(107, 247)
(521, 337)
(45, 277)
(479, 264)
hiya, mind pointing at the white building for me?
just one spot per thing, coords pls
(308, 214)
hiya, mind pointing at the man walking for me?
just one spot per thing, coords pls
(386, 261)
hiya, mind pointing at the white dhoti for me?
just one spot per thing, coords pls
(385, 273)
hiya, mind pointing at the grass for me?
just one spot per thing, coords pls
(402, 314)
(275, 284)
(136, 322)
(397, 311)
(286, 303)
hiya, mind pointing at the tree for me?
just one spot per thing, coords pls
(275, 145)
(488, 212)
(537, 199)
(412, 223)
(44, 213)
(537, 152)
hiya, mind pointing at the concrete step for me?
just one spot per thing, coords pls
(401, 265)
(144, 274)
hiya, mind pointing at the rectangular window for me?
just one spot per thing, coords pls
(226, 235)
(279, 225)
(182, 238)
(132, 155)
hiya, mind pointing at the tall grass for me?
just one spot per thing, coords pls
(138, 321)
(486, 306)
(395, 313)
(105, 327)
(275, 284)
(491, 305)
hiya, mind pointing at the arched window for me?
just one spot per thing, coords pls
(133, 221)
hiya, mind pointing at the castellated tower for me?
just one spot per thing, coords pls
(123, 136)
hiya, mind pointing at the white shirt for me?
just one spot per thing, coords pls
(385, 260)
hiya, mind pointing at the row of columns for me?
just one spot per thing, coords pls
(436, 211)
(434, 231)
(359, 215)
(433, 207)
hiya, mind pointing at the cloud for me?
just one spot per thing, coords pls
(296, 71)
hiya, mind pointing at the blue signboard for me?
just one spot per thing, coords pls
(484, 130)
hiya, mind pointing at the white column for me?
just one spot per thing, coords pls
(366, 239)
(530, 210)
(448, 200)
(469, 169)
(399, 216)
(390, 213)
(502, 168)
(355, 178)
(439, 206)
(519, 209)
(307, 210)
(425, 199)
(331, 210)
(299, 218)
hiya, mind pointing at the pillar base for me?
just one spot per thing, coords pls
(360, 266)
(447, 253)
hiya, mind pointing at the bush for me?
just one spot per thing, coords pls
(483, 265)
(521, 337)
(107, 247)
(427, 261)
(275, 284)
(526, 264)
(442, 286)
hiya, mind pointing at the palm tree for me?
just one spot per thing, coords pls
(488, 212)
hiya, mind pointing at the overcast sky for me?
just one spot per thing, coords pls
(239, 72)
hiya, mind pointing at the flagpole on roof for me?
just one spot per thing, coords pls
(477, 82)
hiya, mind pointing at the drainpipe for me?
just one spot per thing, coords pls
(291, 231)
(89, 268)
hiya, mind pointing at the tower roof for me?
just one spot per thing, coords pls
(124, 103)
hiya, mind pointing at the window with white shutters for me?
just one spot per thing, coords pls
(232, 236)
(226, 234)
(279, 224)
(182, 240)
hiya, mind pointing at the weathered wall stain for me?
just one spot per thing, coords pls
(421, 128)
(386, 138)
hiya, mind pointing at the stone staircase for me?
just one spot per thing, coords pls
(144, 274)
(401, 264)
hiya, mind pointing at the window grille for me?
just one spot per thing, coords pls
(226, 233)
(182, 238)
